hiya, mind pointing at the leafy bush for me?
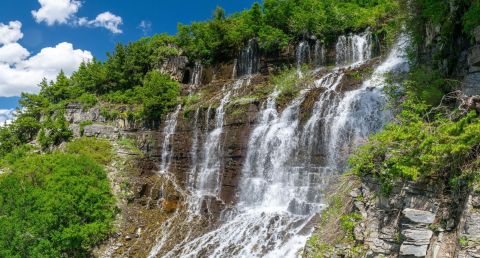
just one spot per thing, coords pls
(87, 100)
(54, 131)
(99, 150)
(348, 222)
(54, 205)
(159, 95)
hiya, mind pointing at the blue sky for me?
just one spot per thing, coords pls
(39, 37)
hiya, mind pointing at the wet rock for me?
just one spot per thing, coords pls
(419, 216)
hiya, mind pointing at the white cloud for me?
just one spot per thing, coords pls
(10, 32)
(105, 20)
(13, 53)
(56, 11)
(20, 72)
(54, 59)
(6, 116)
(145, 26)
(65, 12)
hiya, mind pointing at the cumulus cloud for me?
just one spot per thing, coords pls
(21, 72)
(65, 12)
(56, 11)
(13, 53)
(10, 32)
(105, 20)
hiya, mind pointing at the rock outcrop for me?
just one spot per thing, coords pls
(471, 82)
(423, 219)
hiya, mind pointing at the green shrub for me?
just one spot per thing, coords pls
(99, 150)
(54, 205)
(348, 222)
(87, 100)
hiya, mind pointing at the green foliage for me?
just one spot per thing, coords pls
(348, 222)
(471, 19)
(289, 83)
(159, 95)
(421, 142)
(463, 241)
(53, 205)
(129, 145)
(448, 20)
(99, 150)
(54, 131)
(277, 23)
(87, 100)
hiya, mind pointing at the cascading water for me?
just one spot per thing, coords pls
(248, 62)
(287, 165)
(354, 48)
(193, 153)
(361, 112)
(168, 131)
(207, 181)
(196, 78)
(319, 54)
(302, 55)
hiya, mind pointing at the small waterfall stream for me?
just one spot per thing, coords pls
(196, 78)
(319, 54)
(167, 147)
(302, 54)
(248, 61)
(288, 163)
(354, 48)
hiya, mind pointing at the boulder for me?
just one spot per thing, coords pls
(471, 84)
(102, 131)
(413, 250)
(417, 236)
(474, 56)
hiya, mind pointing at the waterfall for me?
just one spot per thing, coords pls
(248, 61)
(319, 54)
(288, 163)
(168, 131)
(208, 179)
(354, 48)
(361, 111)
(196, 78)
(193, 153)
(207, 173)
(302, 55)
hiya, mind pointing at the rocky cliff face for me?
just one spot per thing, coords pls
(421, 219)
(418, 220)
